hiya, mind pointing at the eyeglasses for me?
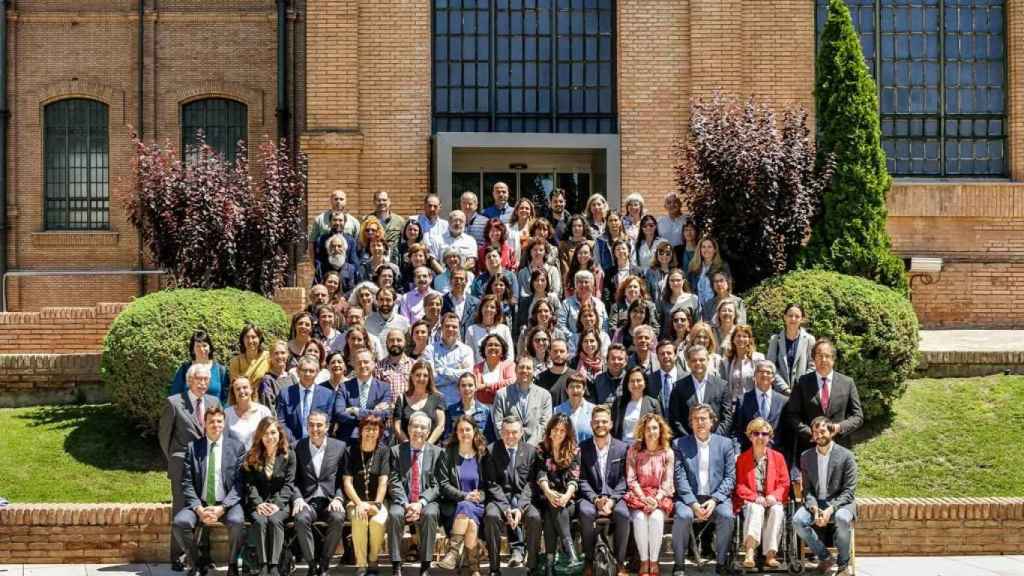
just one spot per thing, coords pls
(760, 434)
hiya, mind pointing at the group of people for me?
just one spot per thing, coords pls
(466, 373)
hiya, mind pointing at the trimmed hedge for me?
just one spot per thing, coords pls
(148, 341)
(874, 328)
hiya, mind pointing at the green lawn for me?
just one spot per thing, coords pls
(950, 437)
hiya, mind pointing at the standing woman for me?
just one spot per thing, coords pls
(490, 319)
(244, 413)
(724, 322)
(540, 291)
(622, 268)
(583, 259)
(588, 319)
(635, 212)
(537, 342)
(496, 235)
(676, 330)
(539, 254)
(643, 250)
(268, 472)
(556, 472)
(664, 263)
(502, 289)
(739, 362)
(702, 334)
(202, 351)
(629, 408)
(379, 255)
(790, 349)
(699, 274)
(519, 227)
(579, 233)
(596, 211)
(589, 361)
(300, 334)
(613, 232)
(412, 233)
(638, 314)
(650, 467)
(422, 396)
(632, 290)
(252, 361)
(419, 338)
(277, 377)
(365, 481)
(688, 248)
(462, 494)
(542, 315)
(721, 283)
(495, 371)
(676, 296)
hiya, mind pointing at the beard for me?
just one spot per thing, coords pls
(395, 350)
(336, 260)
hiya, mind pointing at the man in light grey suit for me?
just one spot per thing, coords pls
(525, 400)
(414, 492)
(181, 422)
(830, 480)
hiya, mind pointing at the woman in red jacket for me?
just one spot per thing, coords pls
(762, 487)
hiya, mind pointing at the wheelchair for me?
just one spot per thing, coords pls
(789, 547)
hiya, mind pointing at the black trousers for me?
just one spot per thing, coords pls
(557, 524)
(184, 525)
(429, 517)
(304, 530)
(494, 527)
(270, 535)
(620, 516)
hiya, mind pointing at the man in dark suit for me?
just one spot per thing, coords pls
(295, 402)
(509, 495)
(319, 494)
(458, 299)
(830, 479)
(609, 385)
(761, 402)
(823, 392)
(699, 388)
(414, 492)
(210, 486)
(705, 477)
(181, 422)
(360, 397)
(603, 485)
(662, 380)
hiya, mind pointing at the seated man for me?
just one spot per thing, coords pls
(603, 486)
(210, 486)
(319, 492)
(506, 471)
(414, 492)
(829, 478)
(705, 477)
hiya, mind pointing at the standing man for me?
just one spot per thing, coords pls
(830, 479)
(459, 301)
(475, 221)
(322, 224)
(182, 421)
(297, 401)
(414, 493)
(412, 301)
(501, 209)
(320, 496)
(394, 369)
(557, 213)
(554, 378)
(705, 477)
(392, 223)
(662, 380)
(699, 387)
(449, 358)
(455, 238)
(609, 385)
(384, 316)
(430, 220)
(824, 392)
(670, 226)
(210, 488)
(530, 403)
(603, 486)
(506, 472)
(360, 397)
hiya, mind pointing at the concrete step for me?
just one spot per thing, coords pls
(967, 353)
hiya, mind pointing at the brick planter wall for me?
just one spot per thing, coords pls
(34, 379)
(57, 330)
(112, 533)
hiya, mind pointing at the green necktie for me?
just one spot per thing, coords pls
(211, 476)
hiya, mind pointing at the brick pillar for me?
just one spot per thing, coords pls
(1015, 87)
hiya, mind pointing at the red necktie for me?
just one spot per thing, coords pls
(824, 395)
(200, 417)
(414, 490)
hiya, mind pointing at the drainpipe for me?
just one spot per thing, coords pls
(140, 124)
(283, 115)
(4, 113)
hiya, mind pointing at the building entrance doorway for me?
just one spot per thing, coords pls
(533, 183)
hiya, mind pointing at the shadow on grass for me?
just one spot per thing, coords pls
(99, 436)
(873, 428)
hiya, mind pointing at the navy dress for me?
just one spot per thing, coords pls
(469, 480)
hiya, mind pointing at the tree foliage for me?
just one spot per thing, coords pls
(211, 223)
(850, 236)
(750, 181)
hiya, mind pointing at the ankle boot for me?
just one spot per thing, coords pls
(570, 550)
(549, 564)
(453, 558)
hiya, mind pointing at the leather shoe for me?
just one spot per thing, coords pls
(177, 566)
(678, 570)
(721, 570)
(825, 565)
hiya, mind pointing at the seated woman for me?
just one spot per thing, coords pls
(577, 408)
(244, 413)
(252, 360)
(556, 474)
(762, 488)
(462, 494)
(650, 465)
(629, 409)
(365, 482)
(422, 396)
(268, 473)
(495, 371)
(202, 351)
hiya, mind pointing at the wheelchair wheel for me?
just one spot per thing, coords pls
(794, 561)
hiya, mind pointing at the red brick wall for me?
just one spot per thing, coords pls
(64, 330)
(34, 379)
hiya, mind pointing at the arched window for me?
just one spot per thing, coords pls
(76, 163)
(940, 67)
(223, 122)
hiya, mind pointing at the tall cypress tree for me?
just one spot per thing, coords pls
(849, 235)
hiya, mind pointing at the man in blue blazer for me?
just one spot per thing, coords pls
(705, 472)
(459, 296)
(210, 486)
(761, 402)
(360, 397)
(296, 401)
(603, 484)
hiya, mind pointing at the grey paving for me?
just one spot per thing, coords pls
(117, 570)
(972, 341)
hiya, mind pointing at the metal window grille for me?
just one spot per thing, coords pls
(76, 165)
(223, 122)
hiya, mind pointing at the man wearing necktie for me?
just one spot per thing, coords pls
(361, 397)
(699, 387)
(210, 489)
(764, 402)
(414, 492)
(824, 392)
(662, 381)
(179, 426)
(295, 402)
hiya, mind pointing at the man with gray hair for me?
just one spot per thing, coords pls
(761, 402)
(183, 420)
(506, 473)
(570, 310)
(455, 238)
(475, 221)
(414, 492)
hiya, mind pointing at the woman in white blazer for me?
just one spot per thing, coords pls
(790, 349)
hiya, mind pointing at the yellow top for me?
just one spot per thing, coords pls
(254, 371)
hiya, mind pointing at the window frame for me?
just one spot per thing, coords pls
(97, 212)
(187, 139)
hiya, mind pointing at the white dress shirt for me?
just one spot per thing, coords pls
(318, 460)
(703, 467)
(602, 460)
(823, 472)
(244, 425)
(699, 387)
(821, 384)
(216, 451)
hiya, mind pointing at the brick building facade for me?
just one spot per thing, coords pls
(371, 109)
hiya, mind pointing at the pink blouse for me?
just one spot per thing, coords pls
(646, 469)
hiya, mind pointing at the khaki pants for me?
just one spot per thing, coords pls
(756, 527)
(372, 528)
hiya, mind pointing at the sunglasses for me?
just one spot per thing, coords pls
(760, 434)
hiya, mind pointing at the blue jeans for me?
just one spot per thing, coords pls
(803, 523)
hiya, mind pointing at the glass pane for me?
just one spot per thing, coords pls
(577, 190)
(536, 186)
(464, 182)
(492, 178)
(223, 122)
(76, 165)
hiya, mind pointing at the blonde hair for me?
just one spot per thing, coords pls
(759, 425)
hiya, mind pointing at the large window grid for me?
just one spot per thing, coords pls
(76, 165)
(524, 66)
(223, 123)
(940, 70)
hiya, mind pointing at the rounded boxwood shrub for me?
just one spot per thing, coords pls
(148, 341)
(873, 327)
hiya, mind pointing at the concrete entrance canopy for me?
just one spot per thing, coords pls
(605, 145)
